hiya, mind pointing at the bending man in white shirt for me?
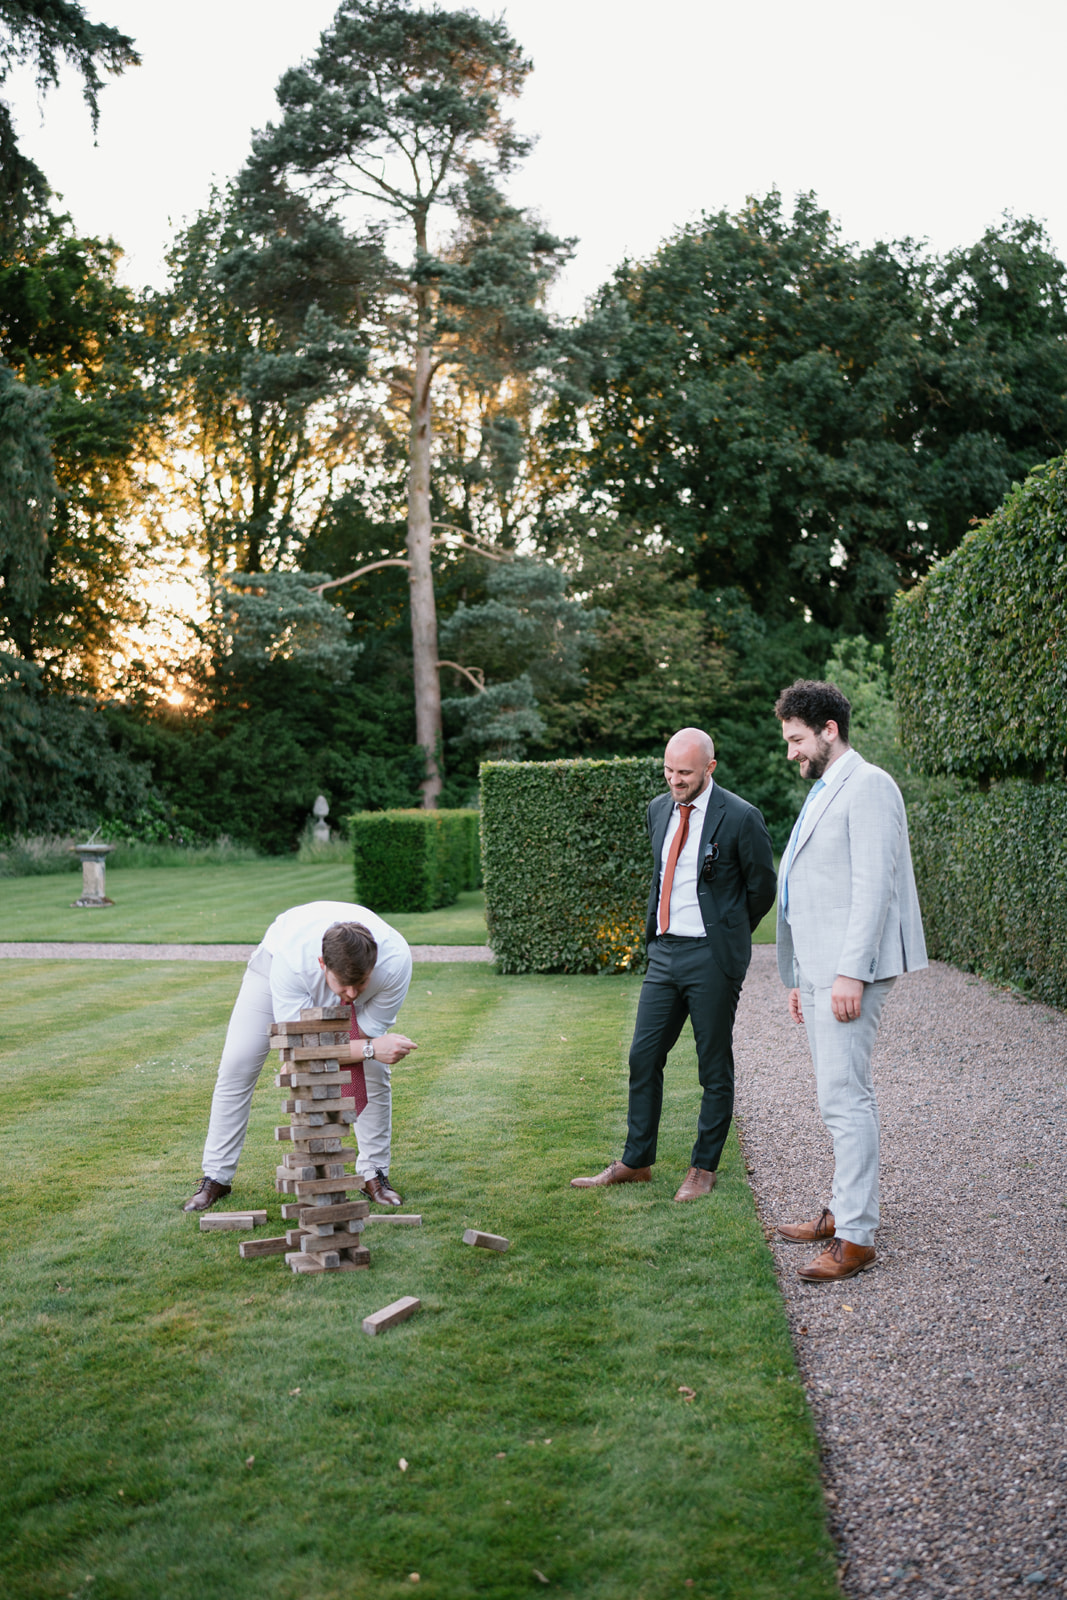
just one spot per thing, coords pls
(321, 954)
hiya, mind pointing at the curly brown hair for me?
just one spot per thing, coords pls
(814, 703)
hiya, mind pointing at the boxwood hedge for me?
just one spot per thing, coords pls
(567, 862)
(414, 860)
(980, 646)
(991, 871)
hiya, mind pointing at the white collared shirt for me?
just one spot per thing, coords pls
(686, 919)
(294, 941)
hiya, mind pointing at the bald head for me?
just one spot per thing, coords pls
(688, 763)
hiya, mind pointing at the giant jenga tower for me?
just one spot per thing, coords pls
(321, 1110)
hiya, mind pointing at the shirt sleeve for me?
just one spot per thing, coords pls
(377, 1012)
(289, 990)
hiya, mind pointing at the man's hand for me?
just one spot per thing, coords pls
(794, 1006)
(846, 997)
(388, 1048)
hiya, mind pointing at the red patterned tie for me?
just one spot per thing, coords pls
(675, 851)
(359, 1074)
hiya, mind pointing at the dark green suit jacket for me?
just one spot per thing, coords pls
(744, 886)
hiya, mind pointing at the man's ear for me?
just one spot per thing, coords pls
(830, 730)
(322, 964)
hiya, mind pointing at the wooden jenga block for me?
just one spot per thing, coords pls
(322, 1144)
(248, 1249)
(304, 1263)
(389, 1315)
(312, 1080)
(222, 1221)
(327, 1185)
(487, 1241)
(314, 1244)
(325, 1014)
(334, 1213)
(283, 1186)
(411, 1219)
(317, 1052)
(283, 1133)
(291, 1211)
(355, 1256)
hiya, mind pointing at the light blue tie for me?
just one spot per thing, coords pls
(820, 783)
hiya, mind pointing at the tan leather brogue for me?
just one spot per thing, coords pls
(840, 1259)
(699, 1181)
(809, 1232)
(617, 1172)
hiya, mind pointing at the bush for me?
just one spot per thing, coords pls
(567, 862)
(414, 860)
(35, 855)
(992, 877)
(980, 647)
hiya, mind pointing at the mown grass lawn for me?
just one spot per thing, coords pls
(206, 905)
(184, 1425)
(217, 905)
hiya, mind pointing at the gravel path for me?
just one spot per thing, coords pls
(938, 1379)
(205, 952)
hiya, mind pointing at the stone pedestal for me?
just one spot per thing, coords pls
(93, 858)
(320, 811)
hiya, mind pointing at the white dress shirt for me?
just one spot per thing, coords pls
(685, 919)
(297, 982)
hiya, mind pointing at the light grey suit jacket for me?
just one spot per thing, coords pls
(853, 909)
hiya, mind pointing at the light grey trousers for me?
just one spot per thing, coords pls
(841, 1052)
(243, 1054)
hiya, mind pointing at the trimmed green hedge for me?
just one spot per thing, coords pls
(414, 860)
(567, 862)
(992, 877)
(980, 646)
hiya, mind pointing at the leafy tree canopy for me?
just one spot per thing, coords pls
(811, 423)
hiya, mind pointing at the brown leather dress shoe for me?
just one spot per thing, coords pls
(809, 1232)
(699, 1181)
(617, 1172)
(207, 1192)
(841, 1259)
(378, 1190)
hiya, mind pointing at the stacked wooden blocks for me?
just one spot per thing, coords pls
(321, 1110)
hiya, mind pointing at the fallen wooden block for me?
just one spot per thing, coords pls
(399, 1311)
(220, 1221)
(412, 1220)
(248, 1249)
(487, 1241)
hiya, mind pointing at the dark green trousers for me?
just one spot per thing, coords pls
(683, 980)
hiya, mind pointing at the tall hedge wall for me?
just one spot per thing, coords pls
(567, 862)
(414, 860)
(980, 647)
(991, 871)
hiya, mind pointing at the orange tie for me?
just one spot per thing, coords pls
(675, 851)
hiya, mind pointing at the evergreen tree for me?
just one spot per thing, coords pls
(400, 115)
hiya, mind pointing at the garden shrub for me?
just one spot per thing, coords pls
(567, 862)
(991, 871)
(414, 860)
(980, 646)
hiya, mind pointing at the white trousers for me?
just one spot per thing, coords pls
(841, 1052)
(246, 1049)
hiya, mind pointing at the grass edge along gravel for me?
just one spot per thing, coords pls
(183, 1424)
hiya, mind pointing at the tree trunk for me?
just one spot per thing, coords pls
(420, 574)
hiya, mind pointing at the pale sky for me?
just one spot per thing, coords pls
(921, 117)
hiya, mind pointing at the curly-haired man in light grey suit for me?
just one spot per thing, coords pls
(848, 926)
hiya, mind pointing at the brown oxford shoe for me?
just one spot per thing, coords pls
(377, 1189)
(207, 1192)
(617, 1172)
(699, 1181)
(841, 1259)
(809, 1232)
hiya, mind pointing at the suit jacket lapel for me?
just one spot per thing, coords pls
(713, 815)
(820, 805)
